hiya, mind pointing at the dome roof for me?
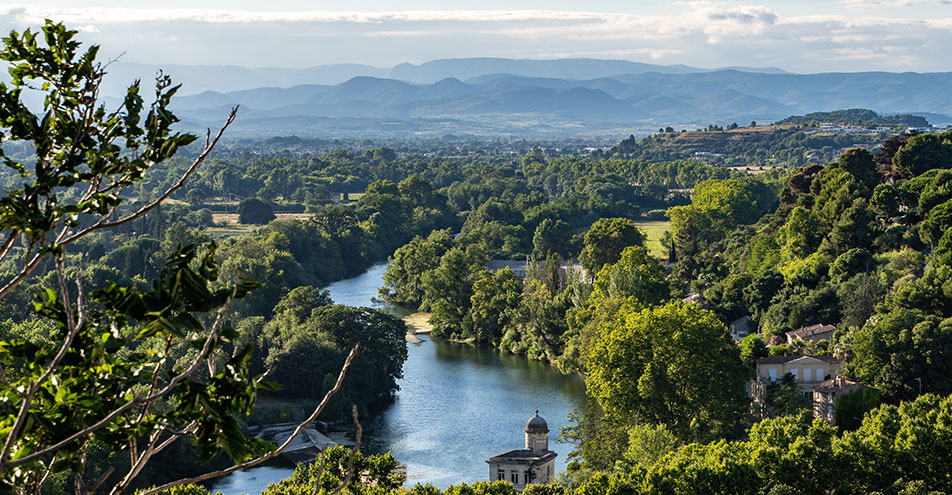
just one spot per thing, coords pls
(536, 424)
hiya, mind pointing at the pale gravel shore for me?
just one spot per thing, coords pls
(418, 323)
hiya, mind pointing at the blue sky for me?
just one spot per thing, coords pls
(800, 36)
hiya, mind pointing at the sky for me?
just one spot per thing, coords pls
(796, 35)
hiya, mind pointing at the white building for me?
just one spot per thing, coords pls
(534, 464)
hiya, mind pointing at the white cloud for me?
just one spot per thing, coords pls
(704, 34)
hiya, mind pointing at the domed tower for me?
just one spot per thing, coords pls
(537, 434)
(533, 465)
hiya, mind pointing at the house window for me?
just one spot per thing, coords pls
(807, 375)
(819, 374)
(500, 475)
(515, 477)
(773, 374)
(795, 372)
(527, 477)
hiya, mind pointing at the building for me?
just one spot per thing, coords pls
(515, 266)
(522, 269)
(740, 327)
(825, 394)
(535, 464)
(812, 333)
(808, 370)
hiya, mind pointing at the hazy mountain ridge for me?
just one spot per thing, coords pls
(499, 101)
(607, 102)
(197, 79)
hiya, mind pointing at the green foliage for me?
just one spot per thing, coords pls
(255, 211)
(675, 365)
(896, 349)
(605, 241)
(922, 153)
(133, 333)
(752, 348)
(495, 300)
(801, 234)
(552, 237)
(647, 444)
(375, 474)
(937, 223)
(849, 409)
(901, 449)
(307, 329)
(402, 281)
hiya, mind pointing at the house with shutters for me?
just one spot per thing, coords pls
(808, 370)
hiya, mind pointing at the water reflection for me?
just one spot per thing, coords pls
(457, 406)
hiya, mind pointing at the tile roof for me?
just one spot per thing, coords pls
(811, 331)
(790, 357)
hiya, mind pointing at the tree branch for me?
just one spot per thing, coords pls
(274, 453)
(350, 462)
(209, 146)
(206, 347)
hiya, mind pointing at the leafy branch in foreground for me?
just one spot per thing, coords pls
(125, 370)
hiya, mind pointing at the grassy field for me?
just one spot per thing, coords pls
(653, 230)
(232, 228)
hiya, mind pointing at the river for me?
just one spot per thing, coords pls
(457, 406)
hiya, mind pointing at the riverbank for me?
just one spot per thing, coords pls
(417, 323)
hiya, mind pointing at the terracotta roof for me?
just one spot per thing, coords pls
(787, 358)
(836, 385)
(811, 330)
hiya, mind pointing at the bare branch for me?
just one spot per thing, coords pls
(274, 453)
(8, 244)
(71, 332)
(178, 185)
(175, 436)
(350, 461)
(101, 479)
(206, 347)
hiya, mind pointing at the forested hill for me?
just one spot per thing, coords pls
(856, 116)
(754, 146)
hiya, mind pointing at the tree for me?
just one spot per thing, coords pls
(606, 239)
(494, 300)
(673, 365)
(898, 349)
(636, 276)
(937, 223)
(255, 211)
(752, 348)
(116, 357)
(921, 153)
(552, 237)
(403, 278)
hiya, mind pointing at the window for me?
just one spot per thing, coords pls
(515, 477)
(527, 477)
(807, 375)
(819, 374)
(500, 475)
(795, 372)
(773, 374)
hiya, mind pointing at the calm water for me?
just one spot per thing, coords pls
(457, 406)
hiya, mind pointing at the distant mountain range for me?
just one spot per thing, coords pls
(492, 96)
